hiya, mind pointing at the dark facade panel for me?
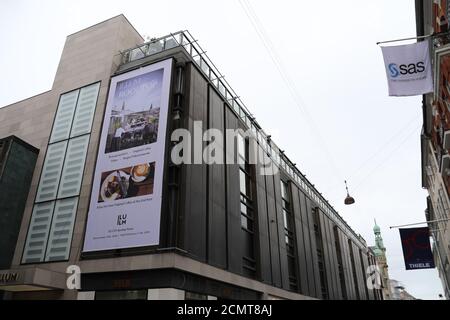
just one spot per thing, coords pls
(326, 253)
(217, 240)
(195, 228)
(273, 232)
(234, 234)
(264, 255)
(363, 254)
(330, 246)
(347, 266)
(334, 259)
(359, 273)
(281, 236)
(311, 246)
(300, 234)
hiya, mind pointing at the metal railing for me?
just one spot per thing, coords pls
(185, 40)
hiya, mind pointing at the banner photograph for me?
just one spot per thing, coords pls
(408, 69)
(125, 205)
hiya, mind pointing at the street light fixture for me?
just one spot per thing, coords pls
(348, 200)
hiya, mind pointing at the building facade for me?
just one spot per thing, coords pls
(218, 231)
(432, 18)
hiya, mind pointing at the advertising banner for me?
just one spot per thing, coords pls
(416, 248)
(125, 205)
(408, 69)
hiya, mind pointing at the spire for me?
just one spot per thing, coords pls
(376, 228)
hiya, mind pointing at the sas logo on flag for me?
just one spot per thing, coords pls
(404, 69)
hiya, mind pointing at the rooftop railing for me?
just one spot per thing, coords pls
(185, 40)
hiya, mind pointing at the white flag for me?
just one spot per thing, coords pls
(408, 69)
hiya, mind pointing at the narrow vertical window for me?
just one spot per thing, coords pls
(289, 236)
(247, 208)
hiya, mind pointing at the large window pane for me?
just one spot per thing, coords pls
(241, 146)
(85, 110)
(243, 182)
(73, 167)
(38, 232)
(64, 116)
(61, 230)
(51, 172)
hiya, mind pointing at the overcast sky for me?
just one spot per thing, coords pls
(328, 50)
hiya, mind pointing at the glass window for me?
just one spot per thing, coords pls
(85, 110)
(58, 247)
(136, 54)
(51, 172)
(64, 116)
(236, 107)
(241, 146)
(222, 88)
(205, 67)
(38, 232)
(243, 182)
(72, 173)
(170, 43)
(155, 47)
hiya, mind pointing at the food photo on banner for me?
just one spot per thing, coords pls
(125, 205)
(416, 248)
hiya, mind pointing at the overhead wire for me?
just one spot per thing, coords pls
(378, 152)
(270, 48)
(388, 156)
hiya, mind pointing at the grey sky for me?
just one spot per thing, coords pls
(328, 49)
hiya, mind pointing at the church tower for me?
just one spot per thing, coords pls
(380, 254)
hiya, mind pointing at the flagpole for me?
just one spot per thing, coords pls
(412, 224)
(413, 38)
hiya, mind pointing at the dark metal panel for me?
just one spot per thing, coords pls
(311, 247)
(217, 245)
(234, 233)
(280, 222)
(333, 259)
(326, 253)
(347, 265)
(359, 275)
(302, 272)
(273, 232)
(195, 228)
(364, 270)
(262, 227)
